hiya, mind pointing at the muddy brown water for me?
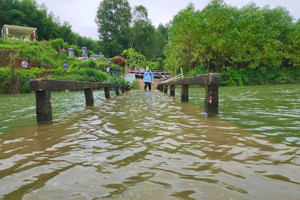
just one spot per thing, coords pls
(145, 145)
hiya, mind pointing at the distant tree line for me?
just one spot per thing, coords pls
(120, 27)
(223, 38)
(30, 13)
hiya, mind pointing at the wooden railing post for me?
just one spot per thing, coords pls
(172, 90)
(43, 106)
(166, 89)
(184, 93)
(123, 89)
(106, 92)
(89, 97)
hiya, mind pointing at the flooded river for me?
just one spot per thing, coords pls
(148, 145)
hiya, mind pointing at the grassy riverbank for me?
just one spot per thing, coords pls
(46, 61)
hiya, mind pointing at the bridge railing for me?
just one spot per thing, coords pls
(211, 83)
(43, 88)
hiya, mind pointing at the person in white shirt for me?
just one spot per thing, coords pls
(24, 64)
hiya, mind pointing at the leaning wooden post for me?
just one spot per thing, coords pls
(184, 93)
(117, 90)
(172, 90)
(106, 92)
(211, 104)
(89, 98)
(166, 89)
(43, 106)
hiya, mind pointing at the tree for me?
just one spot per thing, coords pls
(113, 20)
(134, 58)
(221, 37)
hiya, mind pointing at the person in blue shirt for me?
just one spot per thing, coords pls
(65, 66)
(148, 78)
(117, 72)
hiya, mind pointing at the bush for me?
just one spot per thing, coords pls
(93, 75)
(231, 78)
(57, 44)
(118, 60)
(114, 80)
(135, 85)
(197, 71)
(102, 64)
(25, 76)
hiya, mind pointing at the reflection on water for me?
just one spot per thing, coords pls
(145, 145)
(18, 111)
(272, 110)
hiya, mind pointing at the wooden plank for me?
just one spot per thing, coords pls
(43, 84)
(212, 78)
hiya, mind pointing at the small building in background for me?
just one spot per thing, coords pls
(21, 33)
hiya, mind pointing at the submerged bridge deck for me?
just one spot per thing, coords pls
(43, 88)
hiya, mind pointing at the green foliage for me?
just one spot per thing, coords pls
(93, 74)
(233, 77)
(133, 58)
(222, 37)
(114, 80)
(25, 76)
(196, 71)
(135, 86)
(57, 44)
(102, 64)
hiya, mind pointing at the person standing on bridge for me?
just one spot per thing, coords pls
(148, 78)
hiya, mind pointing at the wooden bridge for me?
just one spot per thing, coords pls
(43, 88)
(211, 83)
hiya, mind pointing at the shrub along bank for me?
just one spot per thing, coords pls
(45, 61)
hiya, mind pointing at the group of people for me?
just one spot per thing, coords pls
(109, 70)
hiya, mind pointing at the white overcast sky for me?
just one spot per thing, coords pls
(81, 14)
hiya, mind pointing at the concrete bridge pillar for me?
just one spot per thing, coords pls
(117, 91)
(172, 90)
(106, 92)
(211, 104)
(184, 93)
(89, 97)
(166, 89)
(43, 106)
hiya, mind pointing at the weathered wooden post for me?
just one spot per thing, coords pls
(123, 89)
(172, 90)
(211, 104)
(184, 93)
(166, 89)
(89, 97)
(117, 90)
(43, 106)
(106, 92)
